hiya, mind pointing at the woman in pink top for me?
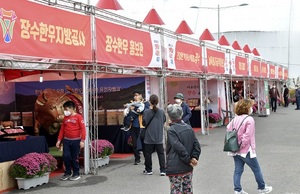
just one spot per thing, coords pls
(246, 154)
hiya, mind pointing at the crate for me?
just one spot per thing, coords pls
(101, 117)
(112, 117)
(120, 116)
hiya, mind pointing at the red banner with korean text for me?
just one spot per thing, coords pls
(28, 30)
(126, 46)
(280, 72)
(183, 56)
(215, 61)
(272, 71)
(255, 68)
(285, 74)
(241, 66)
(264, 70)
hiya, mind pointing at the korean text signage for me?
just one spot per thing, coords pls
(27, 30)
(126, 46)
(264, 70)
(184, 56)
(272, 71)
(285, 73)
(215, 61)
(280, 73)
(255, 68)
(241, 66)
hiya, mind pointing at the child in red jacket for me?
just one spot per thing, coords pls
(73, 133)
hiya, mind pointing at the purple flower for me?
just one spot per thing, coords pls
(101, 148)
(30, 165)
(214, 117)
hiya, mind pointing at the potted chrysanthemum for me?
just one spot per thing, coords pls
(101, 149)
(32, 169)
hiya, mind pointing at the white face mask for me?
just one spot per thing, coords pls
(178, 101)
(250, 111)
(67, 113)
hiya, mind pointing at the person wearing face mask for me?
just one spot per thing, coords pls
(246, 154)
(187, 114)
(274, 94)
(72, 133)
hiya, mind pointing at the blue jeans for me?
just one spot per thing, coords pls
(239, 163)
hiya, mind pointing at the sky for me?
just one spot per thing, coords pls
(258, 15)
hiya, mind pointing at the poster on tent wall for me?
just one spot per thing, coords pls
(272, 71)
(64, 35)
(241, 66)
(7, 100)
(183, 56)
(227, 64)
(255, 68)
(117, 44)
(113, 93)
(190, 89)
(215, 61)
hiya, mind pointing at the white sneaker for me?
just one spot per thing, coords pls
(241, 192)
(267, 189)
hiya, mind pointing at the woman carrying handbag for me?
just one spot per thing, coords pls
(246, 154)
(154, 119)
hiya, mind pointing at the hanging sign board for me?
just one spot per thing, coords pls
(117, 44)
(264, 70)
(285, 74)
(183, 56)
(241, 66)
(215, 61)
(280, 73)
(255, 68)
(272, 71)
(28, 31)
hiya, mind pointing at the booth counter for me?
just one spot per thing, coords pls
(12, 150)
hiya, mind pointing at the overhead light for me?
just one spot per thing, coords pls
(41, 77)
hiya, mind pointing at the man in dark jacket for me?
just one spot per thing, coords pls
(286, 96)
(187, 114)
(182, 151)
(273, 95)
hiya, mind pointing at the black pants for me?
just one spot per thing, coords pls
(71, 149)
(274, 104)
(286, 101)
(129, 118)
(149, 149)
(135, 132)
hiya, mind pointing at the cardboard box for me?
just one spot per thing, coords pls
(27, 119)
(120, 116)
(111, 117)
(101, 117)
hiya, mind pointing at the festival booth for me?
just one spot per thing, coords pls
(97, 63)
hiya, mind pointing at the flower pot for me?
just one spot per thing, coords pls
(99, 162)
(27, 183)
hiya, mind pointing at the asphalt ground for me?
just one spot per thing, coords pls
(277, 139)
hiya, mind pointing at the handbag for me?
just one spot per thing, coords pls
(143, 131)
(231, 139)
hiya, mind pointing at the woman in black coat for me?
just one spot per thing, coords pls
(183, 151)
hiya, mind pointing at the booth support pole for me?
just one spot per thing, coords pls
(86, 121)
(258, 96)
(202, 108)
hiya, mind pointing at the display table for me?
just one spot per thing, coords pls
(195, 120)
(12, 150)
(115, 136)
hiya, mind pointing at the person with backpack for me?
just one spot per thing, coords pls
(246, 154)
(286, 96)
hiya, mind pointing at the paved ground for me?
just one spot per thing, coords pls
(278, 142)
